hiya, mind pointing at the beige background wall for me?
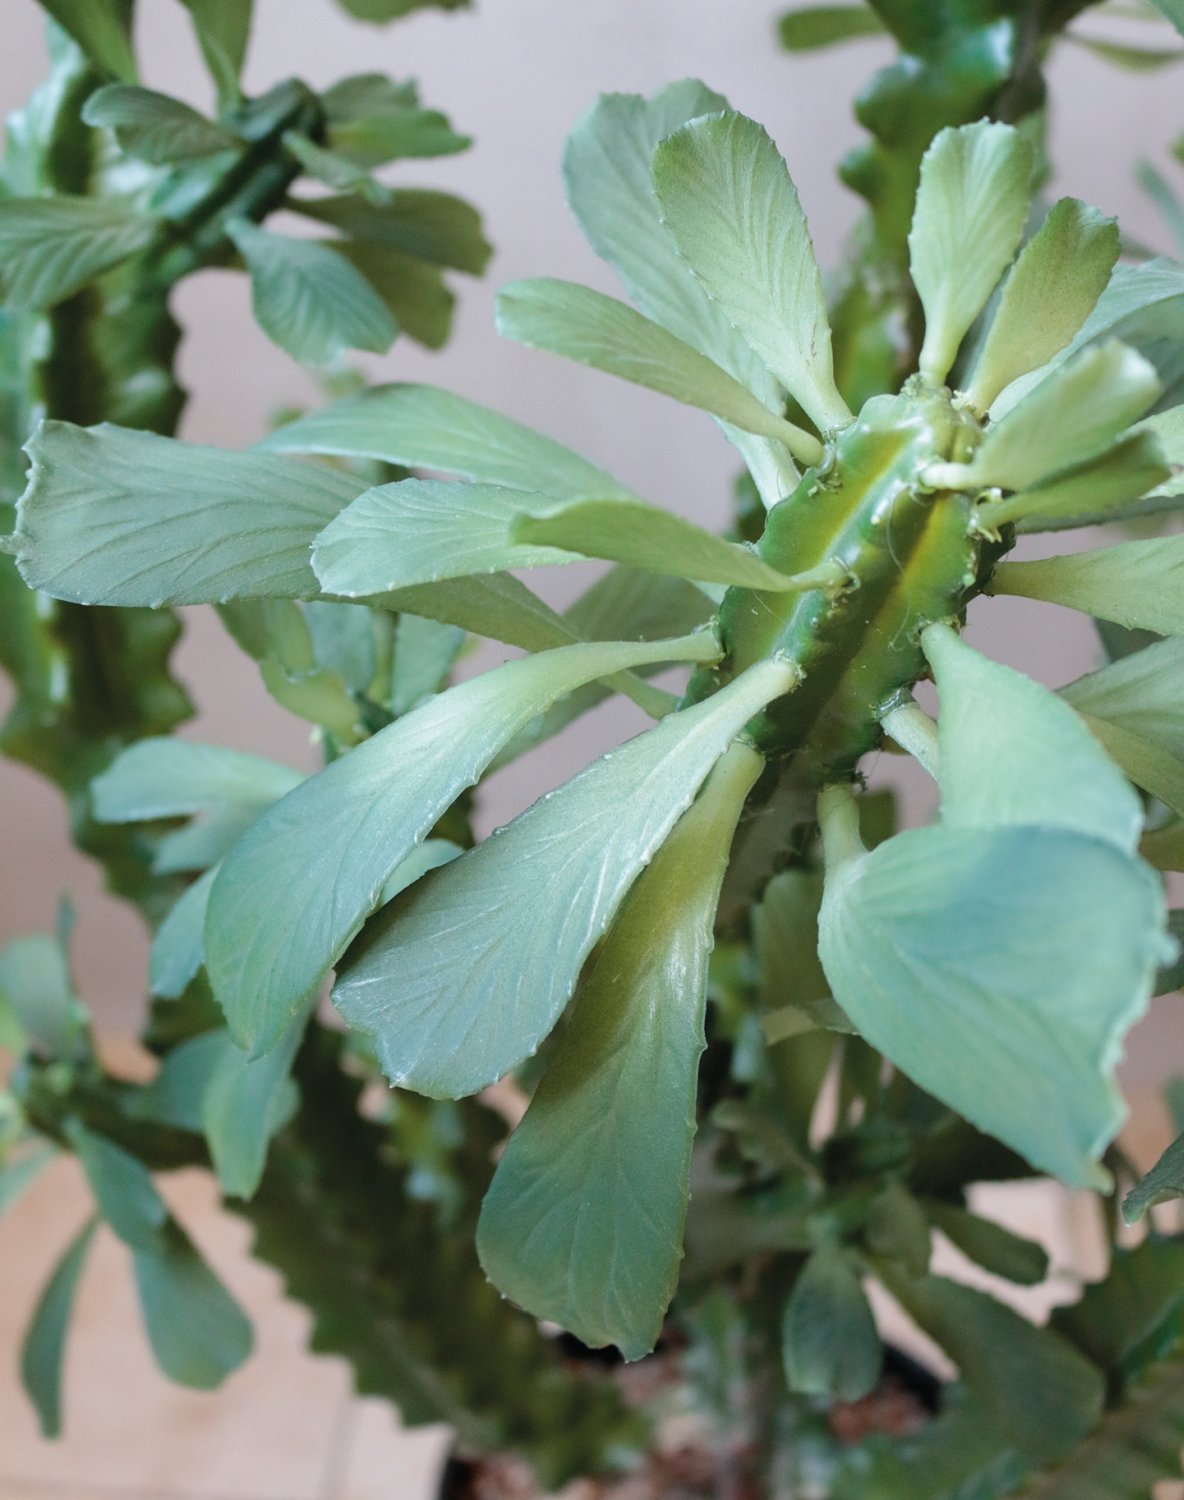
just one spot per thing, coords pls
(516, 73)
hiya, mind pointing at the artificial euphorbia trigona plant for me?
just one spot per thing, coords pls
(996, 958)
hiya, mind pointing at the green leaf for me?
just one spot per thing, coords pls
(122, 1186)
(1167, 427)
(580, 324)
(815, 26)
(243, 1105)
(334, 171)
(990, 1245)
(174, 1097)
(102, 28)
(438, 983)
(1162, 1183)
(178, 948)
(728, 201)
(1134, 1315)
(35, 981)
(828, 1335)
(308, 298)
(1070, 417)
(45, 1340)
(170, 778)
(223, 28)
(583, 1221)
(18, 1172)
(198, 1333)
(113, 516)
(154, 127)
(428, 225)
(1163, 848)
(413, 292)
(424, 653)
(1138, 59)
(371, 140)
(380, 11)
(1107, 488)
(1171, 209)
(1013, 754)
(296, 889)
(971, 205)
(1028, 950)
(1042, 1393)
(607, 171)
(52, 247)
(1136, 584)
(419, 531)
(1174, 10)
(1051, 290)
(426, 428)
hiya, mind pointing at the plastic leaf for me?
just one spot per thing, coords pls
(419, 531)
(584, 325)
(426, 428)
(1012, 753)
(198, 1333)
(1164, 1182)
(297, 888)
(1053, 287)
(1137, 584)
(583, 1221)
(102, 28)
(113, 516)
(828, 1335)
(728, 201)
(814, 26)
(154, 127)
(122, 1185)
(971, 205)
(308, 299)
(169, 778)
(45, 1341)
(52, 247)
(470, 970)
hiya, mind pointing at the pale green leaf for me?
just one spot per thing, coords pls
(630, 605)
(426, 428)
(989, 1245)
(607, 172)
(1138, 59)
(154, 127)
(1028, 951)
(971, 205)
(335, 171)
(123, 1187)
(379, 11)
(414, 293)
(177, 945)
(1167, 427)
(1162, 1183)
(1137, 584)
(392, 135)
(45, 1340)
(198, 1333)
(424, 653)
(728, 201)
(470, 971)
(308, 298)
(1148, 764)
(52, 247)
(584, 325)
(1110, 487)
(1012, 753)
(419, 222)
(1070, 417)
(297, 888)
(1141, 694)
(1173, 10)
(1053, 287)
(170, 778)
(814, 26)
(244, 1103)
(102, 28)
(113, 516)
(35, 981)
(223, 29)
(583, 1221)
(1165, 198)
(828, 1335)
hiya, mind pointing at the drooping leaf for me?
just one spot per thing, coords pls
(1012, 754)
(1073, 415)
(296, 889)
(418, 531)
(169, 778)
(426, 428)
(1028, 951)
(123, 1187)
(198, 1332)
(1162, 1183)
(828, 1335)
(413, 291)
(583, 1221)
(419, 222)
(531, 902)
(309, 299)
(728, 201)
(52, 247)
(989, 1245)
(1053, 287)
(608, 335)
(45, 1341)
(814, 26)
(102, 28)
(155, 127)
(1137, 584)
(223, 29)
(35, 981)
(244, 1103)
(1107, 488)
(379, 11)
(177, 945)
(971, 205)
(113, 516)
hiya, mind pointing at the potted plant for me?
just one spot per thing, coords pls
(664, 961)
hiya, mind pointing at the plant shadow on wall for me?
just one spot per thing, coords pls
(670, 955)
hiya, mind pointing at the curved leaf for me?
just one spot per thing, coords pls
(170, 778)
(471, 970)
(177, 944)
(419, 222)
(51, 248)
(828, 1334)
(1110, 487)
(122, 1185)
(223, 29)
(154, 127)
(198, 1333)
(814, 26)
(102, 28)
(583, 1221)
(45, 1341)
(1136, 584)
